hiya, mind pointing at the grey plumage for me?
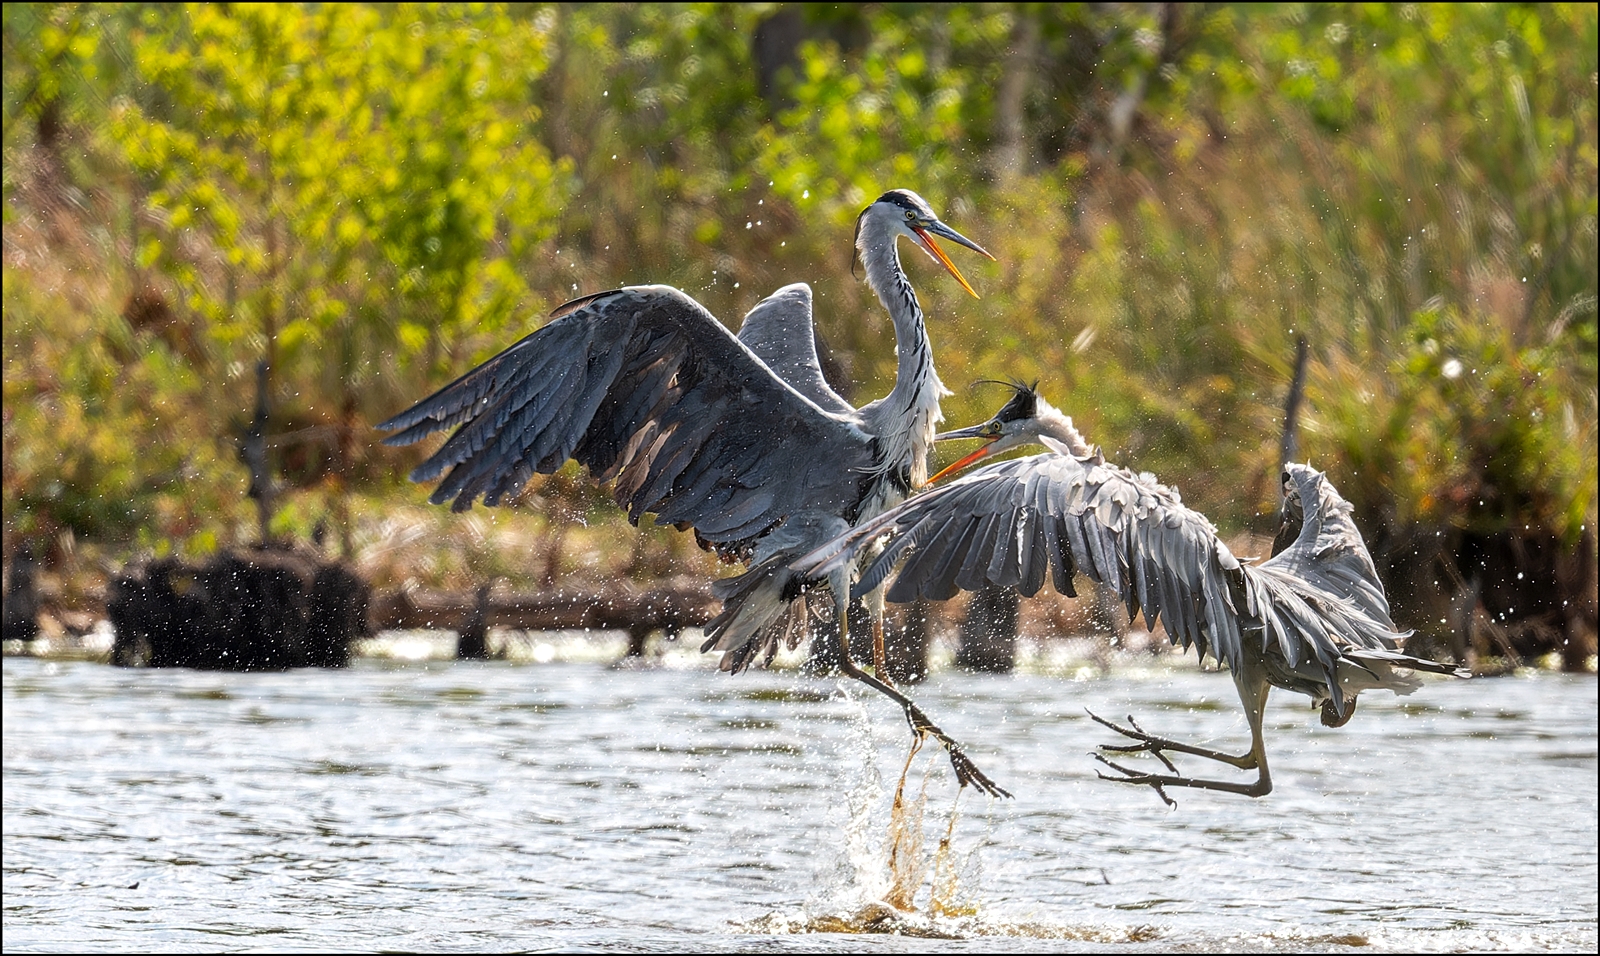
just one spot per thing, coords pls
(1076, 515)
(739, 438)
(1313, 618)
(780, 332)
(638, 385)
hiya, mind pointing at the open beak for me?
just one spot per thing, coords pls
(925, 236)
(982, 452)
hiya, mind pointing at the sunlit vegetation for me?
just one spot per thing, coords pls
(373, 197)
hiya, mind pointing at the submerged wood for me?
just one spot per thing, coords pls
(670, 607)
(472, 643)
(252, 610)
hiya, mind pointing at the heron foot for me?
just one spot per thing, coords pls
(1156, 781)
(966, 771)
(1150, 743)
(1132, 776)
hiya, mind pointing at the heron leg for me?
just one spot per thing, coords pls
(966, 771)
(880, 659)
(1253, 694)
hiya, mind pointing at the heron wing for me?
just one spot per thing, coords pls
(1005, 523)
(647, 389)
(1320, 600)
(1329, 551)
(779, 331)
(1319, 604)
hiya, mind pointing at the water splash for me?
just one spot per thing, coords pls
(889, 866)
(945, 897)
(905, 839)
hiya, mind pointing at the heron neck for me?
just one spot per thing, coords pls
(907, 419)
(1052, 424)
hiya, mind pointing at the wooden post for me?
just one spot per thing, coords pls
(637, 635)
(1290, 445)
(989, 631)
(473, 644)
(906, 646)
(253, 453)
(22, 599)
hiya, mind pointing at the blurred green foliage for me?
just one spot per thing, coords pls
(376, 196)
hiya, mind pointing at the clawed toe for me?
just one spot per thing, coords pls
(1147, 743)
(1132, 776)
(967, 772)
(1150, 743)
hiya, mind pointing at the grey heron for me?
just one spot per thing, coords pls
(1312, 619)
(739, 438)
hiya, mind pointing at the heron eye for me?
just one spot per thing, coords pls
(910, 215)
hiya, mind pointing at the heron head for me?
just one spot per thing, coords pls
(1017, 423)
(904, 213)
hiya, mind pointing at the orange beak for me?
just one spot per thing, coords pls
(982, 452)
(944, 260)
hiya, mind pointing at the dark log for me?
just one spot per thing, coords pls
(339, 605)
(669, 608)
(1534, 595)
(1511, 594)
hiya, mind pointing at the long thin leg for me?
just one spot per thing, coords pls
(1253, 694)
(966, 771)
(880, 658)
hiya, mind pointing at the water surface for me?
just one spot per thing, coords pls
(561, 805)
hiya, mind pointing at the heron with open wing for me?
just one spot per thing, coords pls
(738, 438)
(1312, 619)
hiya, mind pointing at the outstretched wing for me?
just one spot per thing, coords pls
(1012, 523)
(646, 388)
(779, 331)
(1319, 604)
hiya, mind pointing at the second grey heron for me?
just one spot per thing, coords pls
(1312, 619)
(736, 437)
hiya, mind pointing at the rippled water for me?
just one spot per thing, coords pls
(569, 805)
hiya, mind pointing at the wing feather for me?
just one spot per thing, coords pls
(1319, 602)
(780, 331)
(645, 388)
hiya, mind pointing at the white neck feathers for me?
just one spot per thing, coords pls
(1059, 428)
(904, 422)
